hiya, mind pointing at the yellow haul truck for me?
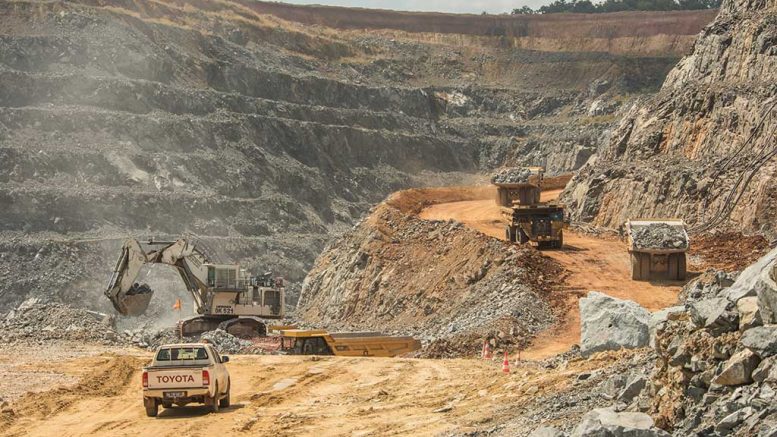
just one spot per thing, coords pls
(528, 219)
(351, 344)
(657, 248)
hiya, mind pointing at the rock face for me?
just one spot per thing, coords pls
(703, 148)
(611, 324)
(262, 136)
(603, 422)
(441, 281)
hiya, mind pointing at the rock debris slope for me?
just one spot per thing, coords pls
(450, 285)
(704, 147)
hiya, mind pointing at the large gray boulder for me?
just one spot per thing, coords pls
(611, 324)
(604, 422)
(715, 315)
(762, 340)
(547, 431)
(760, 279)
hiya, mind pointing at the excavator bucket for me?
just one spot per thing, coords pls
(129, 298)
(134, 301)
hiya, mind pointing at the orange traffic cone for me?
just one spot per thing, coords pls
(488, 354)
(506, 364)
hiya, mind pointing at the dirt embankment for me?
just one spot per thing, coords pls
(448, 284)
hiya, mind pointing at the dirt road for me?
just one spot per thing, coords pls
(593, 263)
(300, 396)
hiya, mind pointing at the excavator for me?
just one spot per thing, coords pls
(225, 295)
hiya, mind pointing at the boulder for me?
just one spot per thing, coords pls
(611, 324)
(749, 314)
(766, 371)
(633, 388)
(733, 420)
(714, 315)
(738, 369)
(547, 431)
(759, 279)
(604, 422)
(762, 340)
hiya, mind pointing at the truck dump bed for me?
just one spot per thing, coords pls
(352, 344)
(657, 235)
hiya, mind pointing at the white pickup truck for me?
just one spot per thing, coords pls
(184, 373)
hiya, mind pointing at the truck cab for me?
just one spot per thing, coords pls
(186, 373)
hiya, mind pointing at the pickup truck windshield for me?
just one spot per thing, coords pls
(182, 354)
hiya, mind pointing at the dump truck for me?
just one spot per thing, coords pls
(657, 248)
(529, 220)
(225, 295)
(347, 344)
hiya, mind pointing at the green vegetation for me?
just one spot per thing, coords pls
(586, 6)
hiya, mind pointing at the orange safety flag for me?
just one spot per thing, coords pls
(177, 305)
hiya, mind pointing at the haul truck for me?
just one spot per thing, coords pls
(657, 248)
(351, 344)
(528, 219)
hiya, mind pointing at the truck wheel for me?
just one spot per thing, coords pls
(673, 263)
(523, 237)
(636, 274)
(152, 408)
(213, 402)
(560, 242)
(509, 235)
(682, 269)
(224, 402)
(644, 266)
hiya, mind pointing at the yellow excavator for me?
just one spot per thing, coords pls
(225, 295)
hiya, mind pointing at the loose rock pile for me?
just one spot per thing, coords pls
(511, 176)
(660, 236)
(35, 321)
(224, 341)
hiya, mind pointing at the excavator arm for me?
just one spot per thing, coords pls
(132, 299)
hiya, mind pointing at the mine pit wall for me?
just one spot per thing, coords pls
(614, 32)
(150, 118)
(679, 154)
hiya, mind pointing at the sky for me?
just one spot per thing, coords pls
(456, 6)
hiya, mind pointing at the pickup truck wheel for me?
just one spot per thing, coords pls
(152, 408)
(224, 402)
(213, 402)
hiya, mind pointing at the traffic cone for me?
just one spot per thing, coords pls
(177, 305)
(488, 351)
(506, 364)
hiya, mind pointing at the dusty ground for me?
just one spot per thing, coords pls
(592, 263)
(285, 395)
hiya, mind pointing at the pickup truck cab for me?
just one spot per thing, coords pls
(181, 374)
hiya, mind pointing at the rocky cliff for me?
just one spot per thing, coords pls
(704, 147)
(263, 136)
